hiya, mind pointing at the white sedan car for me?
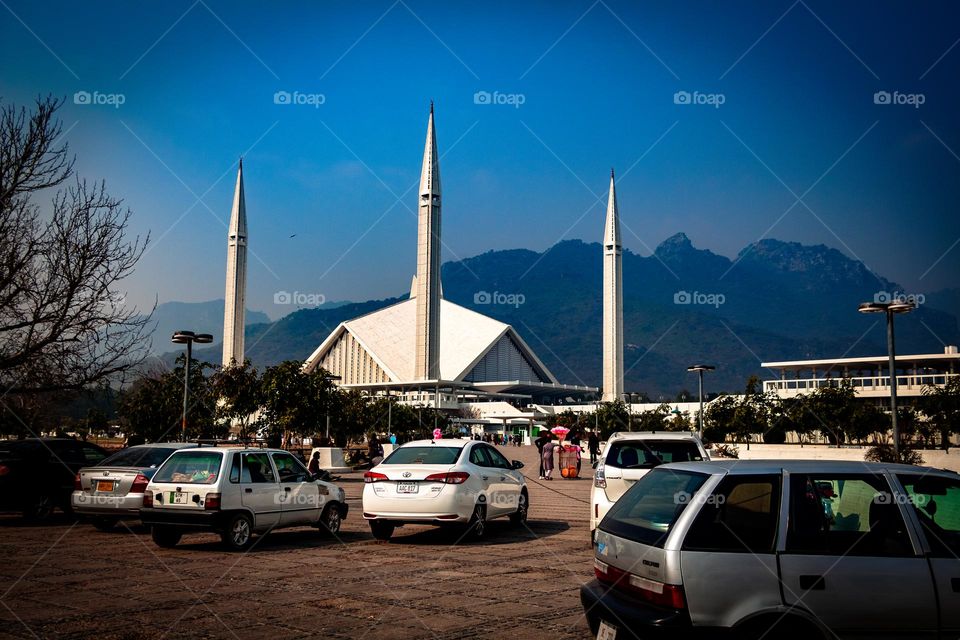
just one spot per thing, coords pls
(444, 482)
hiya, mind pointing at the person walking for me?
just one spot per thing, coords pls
(593, 443)
(548, 448)
(540, 441)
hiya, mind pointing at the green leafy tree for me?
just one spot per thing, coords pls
(610, 417)
(833, 406)
(941, 404)
(654, 420)
(239, 395)
(719, 418)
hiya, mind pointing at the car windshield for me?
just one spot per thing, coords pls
(646, 454)
(649, 509)
(141, 457)
(190, 467)
(424, 455)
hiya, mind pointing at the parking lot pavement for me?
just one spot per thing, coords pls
(64, 579)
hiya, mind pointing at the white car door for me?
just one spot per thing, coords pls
(300, 498)
(509, 481)
(259, 490)
(486, 479)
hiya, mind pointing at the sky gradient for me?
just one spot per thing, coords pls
(798, 150)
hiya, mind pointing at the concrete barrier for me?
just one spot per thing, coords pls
(331, 459)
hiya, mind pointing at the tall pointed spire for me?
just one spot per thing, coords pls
(427, 286)
(235, 294)
(612, 301)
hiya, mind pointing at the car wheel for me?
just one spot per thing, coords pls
(477, 527)
(381, 530)
(239, 532)
(41, 508)
(166, 537)
(104, 524)
(519, 516)
(330, 520)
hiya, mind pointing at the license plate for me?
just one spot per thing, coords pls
(105, 485)
(407, 487)
(178, 497)
(606, 631)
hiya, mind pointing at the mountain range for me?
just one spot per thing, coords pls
(682, 305)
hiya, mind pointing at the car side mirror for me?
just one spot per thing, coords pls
(516, 464)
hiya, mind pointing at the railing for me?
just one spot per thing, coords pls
(860, 384)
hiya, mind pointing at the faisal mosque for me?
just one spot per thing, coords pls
(428, 351)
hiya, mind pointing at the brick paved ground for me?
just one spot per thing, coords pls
(69, 580)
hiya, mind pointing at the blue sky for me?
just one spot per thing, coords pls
(597, 81)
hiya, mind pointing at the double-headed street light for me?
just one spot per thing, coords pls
(188, 338)
(891, 308)
(700, 368)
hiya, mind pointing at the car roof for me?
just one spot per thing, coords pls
(234, 449)
(652, 435)
(442, 442)
(738, 467)
(165, 445)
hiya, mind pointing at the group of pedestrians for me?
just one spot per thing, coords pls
(548, 448)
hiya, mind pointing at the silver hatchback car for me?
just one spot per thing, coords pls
(780, 549)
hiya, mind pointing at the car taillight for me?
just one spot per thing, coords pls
(454, 477)
(373, 476)
(211, 502)
(600, 478)
(139, 483)
(77, 486)
(4, 469)
(148, 499)
(654, 592)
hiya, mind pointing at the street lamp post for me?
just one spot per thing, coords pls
(188, 338)
(700, 368)
(890, 309)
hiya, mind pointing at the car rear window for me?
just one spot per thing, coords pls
(190, 467)
(142, 457)
(648, 510)
(424, 455)
(646, 454)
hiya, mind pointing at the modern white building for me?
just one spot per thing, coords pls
(869, 376)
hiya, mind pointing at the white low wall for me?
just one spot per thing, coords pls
(939, 458)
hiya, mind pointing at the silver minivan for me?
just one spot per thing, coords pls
(780, 549)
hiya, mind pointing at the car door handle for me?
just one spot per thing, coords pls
(502, 478)
(811, 583)
(286, 488)
(248, 490)
(484, 478)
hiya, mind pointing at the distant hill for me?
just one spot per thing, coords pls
(201, 317)
(947, 300)
(775, 301)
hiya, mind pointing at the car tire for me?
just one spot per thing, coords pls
(238, 534)
(477, 527)
(519, 517)
(104, 524)
(330, 520)
(381, 530)
(40, 508)
(166, 537)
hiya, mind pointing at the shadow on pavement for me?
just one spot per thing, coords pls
(498, 532)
